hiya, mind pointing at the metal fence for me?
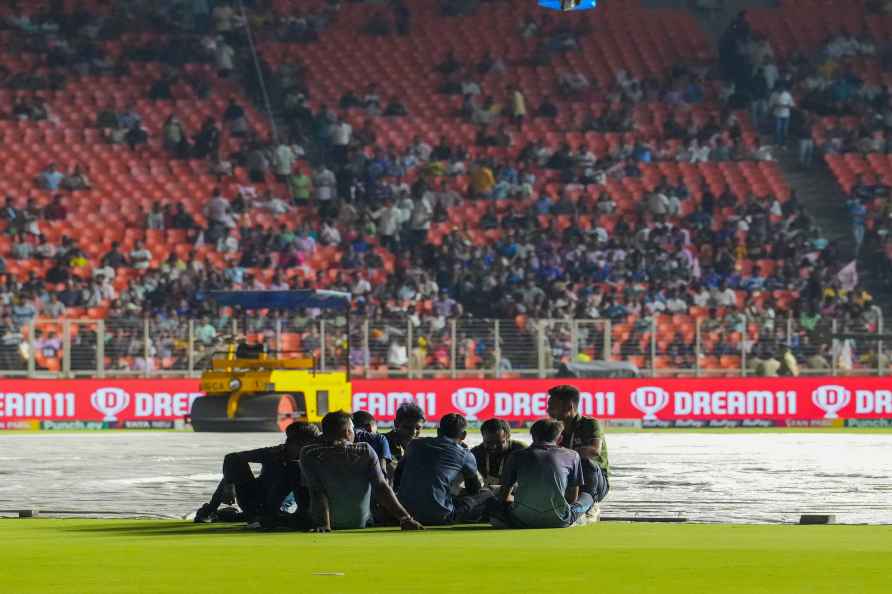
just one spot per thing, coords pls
(660, 346)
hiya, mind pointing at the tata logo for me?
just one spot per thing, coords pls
(471, 401)
(110, 402)
(568, 5)
(650, 401)
(831, 399)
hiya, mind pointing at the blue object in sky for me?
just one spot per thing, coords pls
(560, 4)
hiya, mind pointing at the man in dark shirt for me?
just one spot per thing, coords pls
(548, 480)
(342, 475)
(584, 435)
(431, 466)
(497, 446)
(261, 497)
(407, 425)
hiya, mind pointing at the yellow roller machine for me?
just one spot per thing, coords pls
(250, 389)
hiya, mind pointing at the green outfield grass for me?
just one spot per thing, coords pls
(120, 557)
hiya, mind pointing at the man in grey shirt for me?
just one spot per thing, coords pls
(548, 479)
(341, 475)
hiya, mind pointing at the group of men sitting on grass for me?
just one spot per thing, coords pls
(350, 476)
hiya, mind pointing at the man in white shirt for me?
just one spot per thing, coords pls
(388, 218)
(340, 133)
(324, 184)
(781, 103)
(422, 215)
(727, 298)
(420, 149)
(283, 162)
(218, 211)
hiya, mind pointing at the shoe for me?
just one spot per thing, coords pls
(593, 514)
(205, 515)
(229, 514)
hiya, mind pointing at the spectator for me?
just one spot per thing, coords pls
(55, 210)
(77, 179)
(50, 178)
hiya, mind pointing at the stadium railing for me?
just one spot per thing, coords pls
(660, 346)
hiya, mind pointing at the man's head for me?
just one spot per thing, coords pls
(299, 434)
(365, 421)
(337, 426)
(454, 426)
(546, 431)
(495, 433)
(408, 422)
(563, 402)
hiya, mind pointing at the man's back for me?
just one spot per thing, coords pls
(346, 473)
(542, 474)
(426, 473)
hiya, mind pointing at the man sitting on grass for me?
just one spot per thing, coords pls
(584, 435)
(496, 447)
(548, 479)
(341, 476)
(366, 429)
(407, 425)
(425, 475)
(260, 498)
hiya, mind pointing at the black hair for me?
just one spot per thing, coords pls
(565, 393)
(408, 411)
(494, 426)
(546, 430)
(301, 431)
(363, 419)
(452, 426)
(334, 424)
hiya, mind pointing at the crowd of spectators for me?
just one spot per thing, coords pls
(328, 203)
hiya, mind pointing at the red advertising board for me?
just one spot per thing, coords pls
(779, 399)
(107, 400)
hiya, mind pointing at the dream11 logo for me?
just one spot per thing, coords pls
(470, 401)
(650, 401)
(567, 5)
(831, 399)
(110, 402)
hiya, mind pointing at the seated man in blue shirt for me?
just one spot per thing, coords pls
(260, 498)
(341, 476)
(431, 465)
(548, 479)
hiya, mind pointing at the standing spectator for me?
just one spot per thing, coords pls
(234, 117)
(283, 162)
(781, 103)
(300, 185)
(224, 57)
(859, 216)
(207, 142)
(140, 256)
(518, 105)
(402, 17)
(340, 134)
(324, 185)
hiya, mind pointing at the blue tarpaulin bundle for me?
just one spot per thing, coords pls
(567, 4)
(282, 299)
